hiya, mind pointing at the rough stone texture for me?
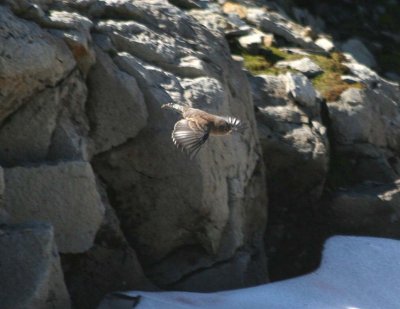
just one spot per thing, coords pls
(300, 89)
(30, 60)
(110, 265)
(70, 136)
(30, 143)
(4, 216)
(30, 268)
(64, 195)
(279, 25)
(359, 51)
(365, 128)
(294, 140)
(217, 23)
(303, 65)
(296, 155)
(368, 209)
(223, 207)
(116, 106)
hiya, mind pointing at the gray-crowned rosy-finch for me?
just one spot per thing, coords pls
(196, 126)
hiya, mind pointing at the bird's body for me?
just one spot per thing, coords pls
(196, 126)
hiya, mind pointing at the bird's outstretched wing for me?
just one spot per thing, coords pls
(189, 137)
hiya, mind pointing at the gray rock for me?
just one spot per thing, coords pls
(74, 29)
(253, 39)
(31, 59)
(365, 127)
(156, 84)
(359, 51)
(137, 39)
(30, 143)
(304, 65)
(203, 92)
(371, 209)
(301, 89)
(4, 216)
(217, 213)
(23, 7)
(325, 43)
(110, 265)
(215, 22)
(361, 71)
(277, 24)
(64, 195)
(116, 107)
(350, 79)
(70, 137)
(296, 155)
(187, 4)
(294, 142)
(200, 282)
(30, 268)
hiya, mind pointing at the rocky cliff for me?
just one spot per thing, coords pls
(96, 198)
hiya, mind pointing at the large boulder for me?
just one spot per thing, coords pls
(30, 268)
(365, 130)
(296, 154)
(292, 135)
(64, 195)
(116, 105)
(30, 60)
(110, 265)
(216, 205)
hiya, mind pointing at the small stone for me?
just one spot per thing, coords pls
(350, 79)
(301, 89)
(325, 44)
(268, 40)
(254, 39)
(304, 65)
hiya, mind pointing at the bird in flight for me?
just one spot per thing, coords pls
(191, 132)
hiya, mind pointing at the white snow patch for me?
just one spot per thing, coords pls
(355, 273)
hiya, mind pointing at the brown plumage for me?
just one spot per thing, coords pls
(191, 132)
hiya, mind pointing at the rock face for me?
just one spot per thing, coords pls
(365, 129)
(368, 209)
(293, 138)
(210, 209)
(304, 65)
(48, 193)
(31, 59)
(86, 147)
(109, 265)
(296, 155)
(116, 109)
(84, 109)
(359, 51)
(30, 262)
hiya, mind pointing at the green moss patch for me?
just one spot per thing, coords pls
(264, 61)
(329, 83)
